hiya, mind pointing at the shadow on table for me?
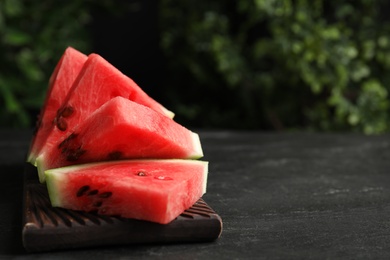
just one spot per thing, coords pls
(11, 203)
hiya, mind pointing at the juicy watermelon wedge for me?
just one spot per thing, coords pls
(97, 83)
(121, 129)
(151, 190)
(60, 82)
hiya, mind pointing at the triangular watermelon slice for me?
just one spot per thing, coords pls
(60, 82)
(121, 129)
(97, 83)
(151, 190)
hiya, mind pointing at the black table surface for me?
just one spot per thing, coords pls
(280, 195)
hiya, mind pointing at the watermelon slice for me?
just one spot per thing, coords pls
(151, 190)
(98, 82)
(60, 82)
(121, 129)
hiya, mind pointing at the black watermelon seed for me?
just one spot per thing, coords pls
(59, 111)
(116, 155)
(67, 111)
(82, 190)
(97, 203)
(71, 158)
(105, 195)
(92, 192)
(62, 144)
(74, 154)
(66, 140)
(61, 124)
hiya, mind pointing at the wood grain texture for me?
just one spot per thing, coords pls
(301, 195)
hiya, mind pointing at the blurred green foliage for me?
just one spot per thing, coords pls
(279, 64)
(33, 36)
(252, 64)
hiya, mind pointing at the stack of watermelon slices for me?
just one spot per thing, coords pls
(102, 144)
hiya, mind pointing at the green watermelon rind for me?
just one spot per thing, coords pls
(198, 151)
(53, 190)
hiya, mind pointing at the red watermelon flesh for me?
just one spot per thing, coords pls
(121, 129)
(151, 190)
(60, 82)
(97, 83)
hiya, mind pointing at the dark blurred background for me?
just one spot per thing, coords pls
(320, 65)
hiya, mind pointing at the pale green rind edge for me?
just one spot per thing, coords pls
(198, 151)
(31, 159)
(53, 182)
(40, 164)
(205, 176)
(168, 113)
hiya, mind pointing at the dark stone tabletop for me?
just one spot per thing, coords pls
(280, 196)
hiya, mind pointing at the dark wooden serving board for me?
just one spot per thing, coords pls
(47, 228)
